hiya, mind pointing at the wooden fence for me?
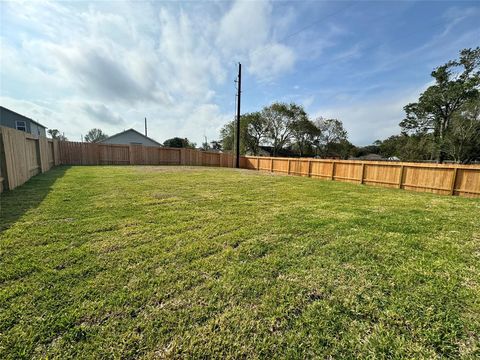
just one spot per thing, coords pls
(76, 153)
(463, 180)
(24, 155)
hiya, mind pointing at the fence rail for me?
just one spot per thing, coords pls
(448, 179)
(24, 155)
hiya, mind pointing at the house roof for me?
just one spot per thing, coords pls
(26, 117)
(128, 130)
(368, 157)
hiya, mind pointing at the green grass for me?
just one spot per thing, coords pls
(162, 262)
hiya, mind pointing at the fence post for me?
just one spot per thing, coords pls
(271, 164)
(333, 170)
(363, 173)
(400, 180)
(309, 168)
(454, 180)
(258, 163)
(288, 171)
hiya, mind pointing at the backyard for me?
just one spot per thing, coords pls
(196, 262)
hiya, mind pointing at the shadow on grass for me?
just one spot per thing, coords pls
(15, 203)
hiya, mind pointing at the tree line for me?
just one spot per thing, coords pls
(285, 129)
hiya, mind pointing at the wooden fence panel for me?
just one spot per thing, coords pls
(321, 169)
(169, 156)
(348, 171)
(382, 175)
(50, 154)
(43, 162)
(467, 182)
(431, 179)
(24, 155)
(113, 154)
(56, 153)
(450, 179)
(33, 156)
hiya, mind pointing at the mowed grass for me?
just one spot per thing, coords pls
(172, 262)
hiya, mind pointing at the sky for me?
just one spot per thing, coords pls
(73, 66)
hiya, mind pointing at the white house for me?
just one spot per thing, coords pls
(130, 136)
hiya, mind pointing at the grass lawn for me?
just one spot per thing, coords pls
(162, 262)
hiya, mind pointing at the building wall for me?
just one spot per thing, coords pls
(9, 119)
(130, 137)
(36, 129)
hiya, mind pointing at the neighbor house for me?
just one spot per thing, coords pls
(17, 121)
(130, 136)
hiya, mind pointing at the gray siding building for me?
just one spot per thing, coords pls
(130, 136)
(17, 121)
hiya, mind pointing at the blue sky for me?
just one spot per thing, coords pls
(78, 65)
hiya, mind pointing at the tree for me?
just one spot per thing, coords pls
(253, 132)
(56, 135)
(279, 118)
(331, 133)
(256, 131)
(227, 135)
(456, 83)
(95, 135)
(407, 147)
(462, 143)
(304, 132)
(177, 142)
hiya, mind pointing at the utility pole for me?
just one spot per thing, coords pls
(239, 92)
(145, 126)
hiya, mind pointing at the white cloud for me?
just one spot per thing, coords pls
(245, 26)
(375, 119)
(271, 61)
(74, 66)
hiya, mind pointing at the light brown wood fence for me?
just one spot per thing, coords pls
(463, 180)
(24, 155)
(76, 153)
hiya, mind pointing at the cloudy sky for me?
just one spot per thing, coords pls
(108, 64)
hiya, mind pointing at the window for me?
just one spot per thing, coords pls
(21, 125)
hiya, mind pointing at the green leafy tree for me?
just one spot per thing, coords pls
(331, 133)
(95, 135)
(280, 119)
(256, 131)
(304, 132)
(407, 147)
(456, 83)
(253, 132)
(56, 135)
(177, 142)
(227, 135)
(462, 142)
